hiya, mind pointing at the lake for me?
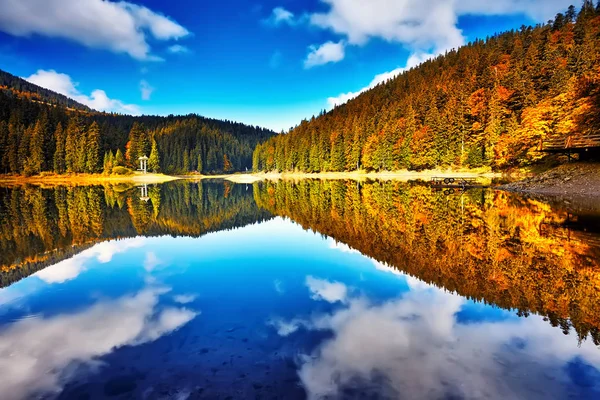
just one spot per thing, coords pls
(291, 290)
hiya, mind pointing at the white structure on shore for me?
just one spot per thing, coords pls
(143, 164)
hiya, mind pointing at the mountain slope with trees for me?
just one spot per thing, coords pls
(487, 104)
(43, 131)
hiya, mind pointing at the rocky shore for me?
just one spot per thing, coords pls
(575, 179)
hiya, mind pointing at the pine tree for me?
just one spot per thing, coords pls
(154, 159)
(23, 152)
(199, 168)
(132, 149)
(75, 145)
(226, 163)
(3, 147)
(59, 153)
(35, 162)
(186, 161)
(119, 159)
(92, 159)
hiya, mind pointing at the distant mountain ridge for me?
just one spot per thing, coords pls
(21, 87)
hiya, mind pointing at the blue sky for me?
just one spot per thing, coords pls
(271, 63)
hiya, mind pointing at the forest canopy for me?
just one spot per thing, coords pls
(44, 131)
(487, 104)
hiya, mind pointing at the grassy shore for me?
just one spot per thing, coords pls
(85, 179)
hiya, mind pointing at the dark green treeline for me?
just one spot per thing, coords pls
(38, 136)
(487, 104)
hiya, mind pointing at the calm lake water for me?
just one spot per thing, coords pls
(314, 289)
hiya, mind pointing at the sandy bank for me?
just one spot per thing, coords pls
(85, 179)
(353, 175)
(575, 179)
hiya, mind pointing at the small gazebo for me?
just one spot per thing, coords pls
(143, 164)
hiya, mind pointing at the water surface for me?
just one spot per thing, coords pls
(318, 289)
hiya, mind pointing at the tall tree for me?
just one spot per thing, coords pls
(154, 159)
(92, 161)
(59, 162)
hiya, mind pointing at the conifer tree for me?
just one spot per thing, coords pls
(119, 159)
(3, 147)
(36, 147)
(154, 159)
(59, 152)
(199, 167)
(92, 160)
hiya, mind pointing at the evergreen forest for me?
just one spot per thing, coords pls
(488, 104)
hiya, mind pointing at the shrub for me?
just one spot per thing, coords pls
(121, 171)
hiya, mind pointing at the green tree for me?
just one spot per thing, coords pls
(59, 152)
(92, 160)
(36, 147)
(119, 159)
(154, 159)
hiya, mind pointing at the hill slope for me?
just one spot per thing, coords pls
(41, 130)
(20, 87)
(488, 103)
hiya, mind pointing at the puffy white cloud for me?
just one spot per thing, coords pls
(98, 99)
(417, 24)
(71, 268)
(322, 289)
(35, 352)
(426, 28)
(415, 346)
(146, 89)
(178, 49)
(328, 52)
(121, 27)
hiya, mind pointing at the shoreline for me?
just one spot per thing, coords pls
(85, 179)
(403, 175)
(578, 179)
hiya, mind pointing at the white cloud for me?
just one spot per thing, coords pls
(415, 347)
(146, 89)
(184, 298)
(343, 247)
(322, 289)
(71, 268)
(280, 16)
(98, 100)
(151, 261)
(426, 28)
(328, 52)
(121, 27)
(35, 352)
(178, 49)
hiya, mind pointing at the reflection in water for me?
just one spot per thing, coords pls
(410, 293)
(38, 354)
(417, 345)
(489, 246)
(40, 227)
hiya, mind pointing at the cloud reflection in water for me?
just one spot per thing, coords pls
(415, 347)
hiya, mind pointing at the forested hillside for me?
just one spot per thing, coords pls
(21, 88)
(39, 133)
(489, 103)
